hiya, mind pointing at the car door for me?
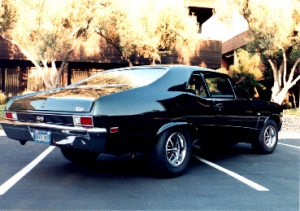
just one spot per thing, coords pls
(201, 111)
(232, 110)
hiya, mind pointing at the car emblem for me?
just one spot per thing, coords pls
(40, 118)
(79, 108)
(43, 105)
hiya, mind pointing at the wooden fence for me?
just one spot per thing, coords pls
(34, 80)
(77, 75)
(11, 79)
(11, 82)
(1, 78)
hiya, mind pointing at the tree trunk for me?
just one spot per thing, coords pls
(45, 75)
(34, 62)
(152, 61)
(129, 62)
(294, 99)
(281, 84)
(299, 99)
(279, 97)
(61, 69)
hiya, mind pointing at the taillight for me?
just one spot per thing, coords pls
(10, 115)
(114, 129)
(83, 121)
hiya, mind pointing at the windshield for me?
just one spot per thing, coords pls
(129, 77)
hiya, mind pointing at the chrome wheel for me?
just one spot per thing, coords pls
(176, 148)
(170, 155)
(267, 139)
(270, 137)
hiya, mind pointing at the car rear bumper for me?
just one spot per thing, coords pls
(93, 139)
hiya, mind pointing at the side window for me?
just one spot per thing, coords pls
(219, 87)
(242, 92)
(196, 86)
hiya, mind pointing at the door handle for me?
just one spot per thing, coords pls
(219, 106)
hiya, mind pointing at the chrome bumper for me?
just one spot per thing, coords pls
(93, 139)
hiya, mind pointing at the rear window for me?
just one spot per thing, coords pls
(130, 77)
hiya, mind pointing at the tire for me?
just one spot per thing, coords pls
(170, 155)
(78, 155)
(267, 139)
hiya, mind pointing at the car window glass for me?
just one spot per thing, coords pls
(131, 77)
(241, 91)
(219, 86)
(196, 86)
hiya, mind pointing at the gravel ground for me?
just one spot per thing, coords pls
(291, 124)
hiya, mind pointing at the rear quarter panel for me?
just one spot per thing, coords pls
(141, 110)
(268, 110)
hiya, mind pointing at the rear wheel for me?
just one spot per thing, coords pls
(170, 156)
(267, 140)
(78, 155)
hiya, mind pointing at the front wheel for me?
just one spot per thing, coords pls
(267, 140)
(78, 155)
(170, 156)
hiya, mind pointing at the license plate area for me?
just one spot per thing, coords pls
(42, 136)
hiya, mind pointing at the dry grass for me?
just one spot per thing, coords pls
(293, 111)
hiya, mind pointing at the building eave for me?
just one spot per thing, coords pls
(235, 42)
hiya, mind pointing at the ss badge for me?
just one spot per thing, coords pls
(79, 108)
(40, 118)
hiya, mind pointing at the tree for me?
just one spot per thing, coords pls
(115, 25)
(8, 14)
(247, 68)
(168, 27)
(44, 30)
(48, 30)
(147, 27)
(2, 10)
(274, 32)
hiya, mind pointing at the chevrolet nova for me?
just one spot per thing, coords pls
(159, 111)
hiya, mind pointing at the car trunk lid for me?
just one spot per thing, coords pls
(74, 99)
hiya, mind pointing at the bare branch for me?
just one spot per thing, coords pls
(294, 82)
(274, 70)
(293, 70)
(61, 69)
(284, 67)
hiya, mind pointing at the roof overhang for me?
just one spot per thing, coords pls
(235, 42)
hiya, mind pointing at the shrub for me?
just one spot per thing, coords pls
(287, 105)
(2, 98)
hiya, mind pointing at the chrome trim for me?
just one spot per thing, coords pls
(76, 116)
(60, 127)
(93, 139)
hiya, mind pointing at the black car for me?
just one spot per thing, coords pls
(159, 111)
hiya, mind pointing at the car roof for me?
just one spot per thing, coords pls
(169, 67)
(176, 77)
(172, 67)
